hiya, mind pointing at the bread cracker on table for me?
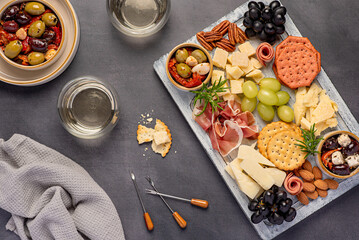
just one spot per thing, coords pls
(164, 148)
(144, 134)
(283, 152)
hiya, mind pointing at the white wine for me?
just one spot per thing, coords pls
(88, 108)
(139, 13)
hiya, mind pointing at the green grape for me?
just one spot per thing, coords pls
(270, 83)
(267, 96)
(266, 112)
(283, 98)
(248, 104)
(250, 89)
(285, 113)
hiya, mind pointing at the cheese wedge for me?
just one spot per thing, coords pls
(247, 48)
(299, 108)
(277, 175)
(216, 75)
(246, 184)
(256, 75)
(248, 152)
(236, 86)
(256, 64)
(330, 123)
(324, 110)
(240, 59)
(257, 172)
(220, 58)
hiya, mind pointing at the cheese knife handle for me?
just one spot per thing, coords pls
(148, 221)
(199, 203)
(181, 222)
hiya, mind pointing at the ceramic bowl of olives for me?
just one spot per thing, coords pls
(31, 34)
(189, 66)
(338, 155)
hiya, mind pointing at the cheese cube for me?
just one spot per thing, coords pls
(220, 58)
(256, 64)
(227, 74)
(246, 184)
(305, 124)
(257, 172)
(277, 175)
(236, 86)
(240, 59)
(161, 137)
(234, 72)
(247, 48)
(229, 59)
(256, 75)
(217, 75)
(248, 69)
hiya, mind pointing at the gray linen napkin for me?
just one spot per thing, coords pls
(52, 197)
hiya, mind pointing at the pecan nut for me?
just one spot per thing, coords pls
(242, 34)
(225, 44)
(222, 27)
(203, 42)
(232, 29)
(212, 36)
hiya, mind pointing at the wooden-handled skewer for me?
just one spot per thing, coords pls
(193, 201)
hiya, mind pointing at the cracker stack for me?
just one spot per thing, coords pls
(297, 62)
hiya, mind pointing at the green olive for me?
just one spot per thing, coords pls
(199, 55)
(184, 70)
(37, 29)
(181, 55)
(49, 19)
(35, 8)
(36, 58)
(13, 49)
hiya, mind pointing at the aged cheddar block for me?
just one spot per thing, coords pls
(220, 58)
(247, 48)
(240, 59)
(217, 75)
(234, 72)
(236, 86)
(256, 75)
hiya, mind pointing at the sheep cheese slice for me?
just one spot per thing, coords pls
(277, 175)
(245, 183)
(248, 152)
(257, 172)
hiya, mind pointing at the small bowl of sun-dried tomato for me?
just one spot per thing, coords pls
(31, 34)
(189, 66)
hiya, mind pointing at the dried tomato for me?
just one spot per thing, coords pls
(194, 81)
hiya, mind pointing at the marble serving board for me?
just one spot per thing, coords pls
(346, 121)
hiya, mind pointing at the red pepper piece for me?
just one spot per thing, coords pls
(52, 46)
(194, 81)
(326, 156)
(58, 35)
(26, 48)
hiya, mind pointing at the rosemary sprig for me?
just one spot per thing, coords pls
(310, 142)
(209, 94)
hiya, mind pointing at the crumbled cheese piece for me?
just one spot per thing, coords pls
(337, 158)
(353, 160)
(344, 140)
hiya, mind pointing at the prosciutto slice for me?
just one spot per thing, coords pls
(227, 126)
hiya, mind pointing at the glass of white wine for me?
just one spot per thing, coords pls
(88, 107)
(138, 18)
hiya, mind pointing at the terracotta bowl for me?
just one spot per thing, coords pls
(192, 45)
(59, 50)
(319, 155)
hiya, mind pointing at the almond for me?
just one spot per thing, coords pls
(321, 184)
(306, 175)
(322, 193)
(303, 198)
(317, 173)
(332, 184)
(308, 187)
(307, 166)
(296, 172)
(312, 195)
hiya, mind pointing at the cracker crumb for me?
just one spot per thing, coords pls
(144, 155)
(149, 120)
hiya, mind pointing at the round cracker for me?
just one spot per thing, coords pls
(297, 66)
(268, 132)
(293, 40)
(283, 152)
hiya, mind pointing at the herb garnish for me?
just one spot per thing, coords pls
(209, 94)
(310, 142)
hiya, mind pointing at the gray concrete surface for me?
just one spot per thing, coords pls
(186, 171)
